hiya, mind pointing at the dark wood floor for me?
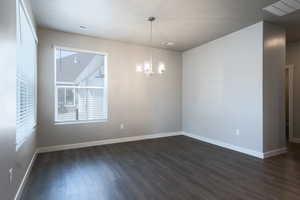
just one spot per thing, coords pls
(163, 169)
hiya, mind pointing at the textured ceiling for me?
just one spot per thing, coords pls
(187, 23)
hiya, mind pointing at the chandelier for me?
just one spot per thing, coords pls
(147, 66)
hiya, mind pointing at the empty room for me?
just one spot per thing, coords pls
(150, 100)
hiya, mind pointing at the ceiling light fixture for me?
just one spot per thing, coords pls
(75, 60)
(83, 27)
(147, 66)
(283, 7)
(168, 44)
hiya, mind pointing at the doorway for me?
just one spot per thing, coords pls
(289, 87)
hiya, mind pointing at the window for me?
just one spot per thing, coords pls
(25, 77)
(66, 96)
(80, 86)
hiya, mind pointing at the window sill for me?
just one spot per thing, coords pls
(81, 122)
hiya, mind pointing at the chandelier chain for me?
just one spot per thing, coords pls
(151, 38)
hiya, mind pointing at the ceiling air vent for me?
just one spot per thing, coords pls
(283, 7)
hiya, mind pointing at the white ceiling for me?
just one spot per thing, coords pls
(188, 23)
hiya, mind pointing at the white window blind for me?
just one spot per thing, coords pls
(80, 86)
(26, 78)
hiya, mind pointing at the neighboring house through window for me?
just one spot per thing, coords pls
(80, 86)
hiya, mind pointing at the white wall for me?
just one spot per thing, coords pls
(222, 89)
(144, 105)
(293, 57)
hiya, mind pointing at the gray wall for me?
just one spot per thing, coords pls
(8, 95)
(9, 158)
(222, 89)
(144, 104)
(273, 88)
(293, 57)
(237, 83)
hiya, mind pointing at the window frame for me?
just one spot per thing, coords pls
(105, 88)
(21, 6)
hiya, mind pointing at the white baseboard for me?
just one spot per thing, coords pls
(25, 177)
(104, 142)
(250, 152)
(226, 145)
(295, 140)
(275, 152)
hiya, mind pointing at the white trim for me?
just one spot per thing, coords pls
(106, 85)
(226, 145)
(80, 122)
(23, 5)
(80, 50)
(54, 84)
(106, 141)
(247, 151)
(25, 177)
(84, 87)
(275, 152)
(105, 98)
(66, 83)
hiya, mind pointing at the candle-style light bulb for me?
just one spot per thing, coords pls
(161, 68)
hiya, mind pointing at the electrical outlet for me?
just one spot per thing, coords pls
(237, 132)
(122, 126)
(11, 171)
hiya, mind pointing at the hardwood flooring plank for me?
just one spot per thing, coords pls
(173, 168)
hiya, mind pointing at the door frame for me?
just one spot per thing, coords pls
(290, 69)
